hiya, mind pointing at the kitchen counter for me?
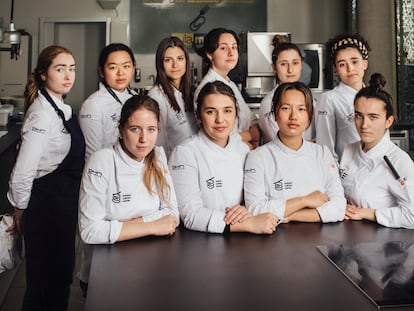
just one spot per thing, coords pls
(201, 271)
(8, 154)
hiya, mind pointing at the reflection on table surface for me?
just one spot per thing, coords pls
(201, 271)
(384, 271)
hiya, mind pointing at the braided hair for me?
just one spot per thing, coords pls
(343, 41)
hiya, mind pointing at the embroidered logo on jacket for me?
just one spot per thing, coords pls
(343, 173)
(181, 117)
(118, 197)
(115, 118)
(94, 173)
(282, 185)
(177, 167)
(322, 112)
(212, 183)
(37, 130)
(350, 118)
(85, 116)
(250, 170)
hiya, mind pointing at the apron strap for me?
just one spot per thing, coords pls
(58, 111)
(111, 91)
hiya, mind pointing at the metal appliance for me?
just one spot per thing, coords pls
(13, 73)
(401, 139)
(255, 68)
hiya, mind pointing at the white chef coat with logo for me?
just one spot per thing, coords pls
(334, 119)
(99, 118)
(112, 191)
(207, 180)
(174, 126)
(369, 182)
(45, 143)
(275, 173)
(244, 114)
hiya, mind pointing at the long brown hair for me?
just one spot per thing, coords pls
(162, 79)
(34, 81)
(153, 172)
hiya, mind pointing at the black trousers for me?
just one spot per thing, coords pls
(56, 299)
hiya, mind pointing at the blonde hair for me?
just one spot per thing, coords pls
(34, 81)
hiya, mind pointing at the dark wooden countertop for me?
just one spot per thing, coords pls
(201, 271)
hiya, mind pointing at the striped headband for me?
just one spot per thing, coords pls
(350, 42)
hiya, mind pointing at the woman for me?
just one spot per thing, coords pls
(221, 50)
(99, 113)
(173, 93)
(207, 169)
(126, 190)
(378, 177)
(44, 184)
(334, 121)
(287, 63)
(292, 178)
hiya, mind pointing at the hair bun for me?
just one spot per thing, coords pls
(377, 81)
(278, 39)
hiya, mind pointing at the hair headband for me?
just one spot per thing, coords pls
(350, 42)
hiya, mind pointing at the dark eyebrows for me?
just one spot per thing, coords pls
(113, 63)
(63, 65)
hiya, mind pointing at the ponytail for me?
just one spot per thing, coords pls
(154, 173)
(30, 92)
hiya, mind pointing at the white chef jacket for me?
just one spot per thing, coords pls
(45, 143)
(244, 113)
(369, 182)
(207, 180)
(174, 126)
(334, 119)
(275, 173)
(112, 191)
(267, 121)
(99, 118)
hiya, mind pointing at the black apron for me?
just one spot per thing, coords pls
(50, 220)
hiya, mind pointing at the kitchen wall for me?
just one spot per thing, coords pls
(27, 14)
(307, 20)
